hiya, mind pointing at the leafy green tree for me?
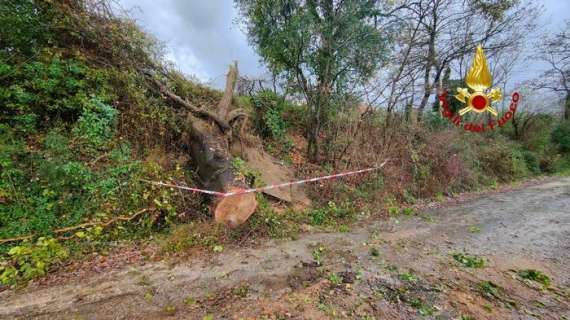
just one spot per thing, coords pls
(323, 46)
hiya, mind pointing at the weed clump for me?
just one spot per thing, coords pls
(374, 252)
(408, 211)
(474, 229)
(423, 309)
(335, 279)
(408, 277)
(535, 275)
(469, 261)
(267, 222)
(332, 214)
(241, 291)
(318, 254)
(489, 289)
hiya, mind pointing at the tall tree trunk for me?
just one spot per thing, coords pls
(408, 111)
(567, 106)
(313, 146)
(314, 130)
(430, 62)
(324, 80)
(516, 127)
(427, 93)
(318, 118)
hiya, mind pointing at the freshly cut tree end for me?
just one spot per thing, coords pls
(235, 210)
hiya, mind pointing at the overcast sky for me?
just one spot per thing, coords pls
(202, 38)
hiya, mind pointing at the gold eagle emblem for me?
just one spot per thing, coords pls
(479, 79)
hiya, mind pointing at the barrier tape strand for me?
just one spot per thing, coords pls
(261, 189)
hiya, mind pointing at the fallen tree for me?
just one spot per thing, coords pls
(208, 139)
(94, 27)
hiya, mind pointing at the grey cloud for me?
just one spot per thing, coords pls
(201, 36)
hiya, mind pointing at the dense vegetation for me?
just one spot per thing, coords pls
(80, 127)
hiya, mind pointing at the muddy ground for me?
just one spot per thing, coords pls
(398, 269)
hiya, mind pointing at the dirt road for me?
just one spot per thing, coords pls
(398, 269)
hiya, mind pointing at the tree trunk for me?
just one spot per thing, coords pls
(430, 62)
(515, 122)
(427, 93)
(316, 121)
(208, 141)
(567, 107)
(313, 135)
(408, 111)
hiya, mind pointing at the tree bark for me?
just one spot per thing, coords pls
(427, 93)
(210, 151)
(431, 61)
(208, 142)
(408, 111)
(314, 130)
(567, 107)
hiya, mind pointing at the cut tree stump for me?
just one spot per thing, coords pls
(235, 210)
(209, 138)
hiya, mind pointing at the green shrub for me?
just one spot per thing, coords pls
(561, 137)
(520, 167)
(268, 120)
(503, 160)
(531, 161)
(371, 185)
(54, 184)
(548, 162)
(436, 121)
(245, 173)
(29, 261)
(97, 122)
(562, 166)
(47, 89)
(537, 138)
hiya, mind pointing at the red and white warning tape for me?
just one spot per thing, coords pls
(162, 184)
(261, 189)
